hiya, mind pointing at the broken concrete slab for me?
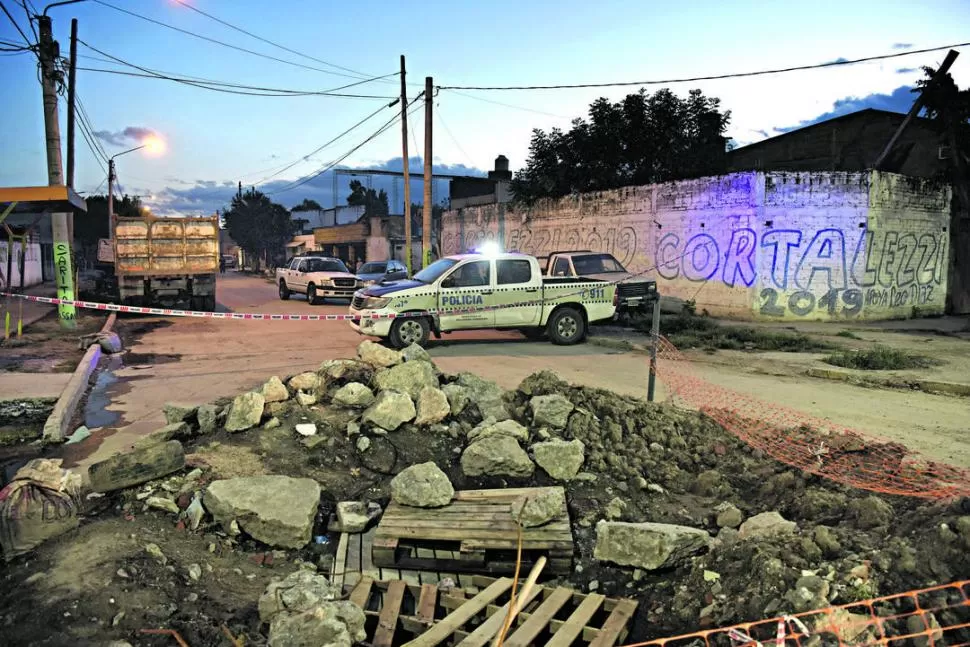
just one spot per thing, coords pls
(390, 410)
(136, 467)
(274, 390)
(649, 546)
(422, 486)
(410, 378)
(560, 459)
(497, 455)
(246, 411)
(539, 508)
(550, 410)
(376, 355)
(433, 406)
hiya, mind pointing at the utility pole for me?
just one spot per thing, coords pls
(407, 175)
(239, 192)
(71, 89)
(428, 206)
(63, 270)
(111, 198)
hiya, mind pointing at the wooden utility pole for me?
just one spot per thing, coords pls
(407, 175)
(428, 206)
(917, 106)
(71, 89)
(63, 270)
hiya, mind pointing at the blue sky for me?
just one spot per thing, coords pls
(215, 139)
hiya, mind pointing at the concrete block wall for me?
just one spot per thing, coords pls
(33, 272)
(819, 245)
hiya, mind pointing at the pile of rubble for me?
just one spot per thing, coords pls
(665, 505)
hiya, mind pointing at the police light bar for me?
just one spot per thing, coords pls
(488, 248)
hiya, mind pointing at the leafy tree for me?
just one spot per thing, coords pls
(307, 205)
(375, 203)
(259, 226)
(946, 103)
(643, 138)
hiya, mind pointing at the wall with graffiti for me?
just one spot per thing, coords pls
(10, 276)
(817, 245)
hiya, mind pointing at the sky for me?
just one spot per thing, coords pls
(214, 139)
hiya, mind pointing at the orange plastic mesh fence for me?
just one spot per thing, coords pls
(809, 443)
(923, 618)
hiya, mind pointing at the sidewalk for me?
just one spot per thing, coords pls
(29, 311)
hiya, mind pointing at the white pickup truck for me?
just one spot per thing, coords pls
(633, 292)
(318, 277)
(476, 291)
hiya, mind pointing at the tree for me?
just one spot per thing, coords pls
(307, 205)
(259, 226)
(641, 139)
(93, 225)
(947, 104)
(375, 203)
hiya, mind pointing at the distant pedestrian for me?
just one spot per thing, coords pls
(222, 265)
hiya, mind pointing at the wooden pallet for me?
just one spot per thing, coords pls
(477, 526)
(422, 616)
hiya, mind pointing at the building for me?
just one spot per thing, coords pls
(753, 245)
(853, 143)
(316, 218)
(473, 191)
(371, 239)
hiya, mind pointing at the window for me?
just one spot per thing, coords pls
(433, 272)
(596, 264)
(302, 267)
(375, 268)
(512, 272)
(475, 274)
(294, 264)
(325, 265)
(561, 268)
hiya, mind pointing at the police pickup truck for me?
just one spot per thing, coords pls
(476, 291)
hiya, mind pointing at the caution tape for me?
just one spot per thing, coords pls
(252, 316)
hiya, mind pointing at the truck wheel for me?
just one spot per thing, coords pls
(284, 291)
(410, 330)
(209, 303)
(566, 326)
(311, 294)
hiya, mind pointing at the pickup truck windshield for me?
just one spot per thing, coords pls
(320, 265)
(596, 264)
(431, 273)
(373, 268)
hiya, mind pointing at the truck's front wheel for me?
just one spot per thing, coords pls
(284, 291)
(567, 326)
(409, 330)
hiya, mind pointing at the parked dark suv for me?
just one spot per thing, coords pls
(377, 271)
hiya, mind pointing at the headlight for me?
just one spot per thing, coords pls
(376, 303)
(367, 284)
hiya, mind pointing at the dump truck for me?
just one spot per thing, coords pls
(167, 261)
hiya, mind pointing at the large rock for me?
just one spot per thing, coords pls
(175, 413)
(550, 411)
(346, 370)
(377, 355)
(539, 508)
(208, 416)
(422, 486)
(246, 411)
(433, 406)
(353, 395)
(274, 390)
(410, 378)
(276, 510)
(307, 382)
(335, 624)
(505, 428)
(488, 396)
(301, 591)
(415, 353)
(458, 397)
(560, 459)
(139, 466)
(649, 546)
(497, 455)
(390, 410)
(175, 431)
(766, 524)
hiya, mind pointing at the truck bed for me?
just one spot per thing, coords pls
(153, 246)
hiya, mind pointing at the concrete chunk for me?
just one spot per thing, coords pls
(138, 466)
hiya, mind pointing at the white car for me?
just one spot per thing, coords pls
(318, 277)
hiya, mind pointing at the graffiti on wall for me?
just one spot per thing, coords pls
(621, 242)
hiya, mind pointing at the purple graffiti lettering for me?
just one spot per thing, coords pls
(791, 238)
(667, 266)
(826, 253)
(701, 258)
(739, 259)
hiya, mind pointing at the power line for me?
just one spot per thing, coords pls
(736, 75)
(23, 3)
(451, 135)
(219, 42)
(221, 86)
(15, 24)
(83, 118)
(328, 167)
(269, 42)
(507, 105)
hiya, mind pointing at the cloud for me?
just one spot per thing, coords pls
(900, 100)
(902, 45)
(131, 134)
(210, 196)
(763, 133)
(906, 70)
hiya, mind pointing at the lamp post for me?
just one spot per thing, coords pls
(111, 192)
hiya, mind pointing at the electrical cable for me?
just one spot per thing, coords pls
(30, 22)
(82, 113)
(219, 42)
(269, 42)
(328, 167)
(451, 135)
(202, 82)
(507, 105)
(15, 24)
(736, 75)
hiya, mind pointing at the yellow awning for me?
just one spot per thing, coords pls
(38, 199)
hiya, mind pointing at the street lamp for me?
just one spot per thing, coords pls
(153, 144)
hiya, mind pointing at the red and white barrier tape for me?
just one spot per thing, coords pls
(169, 312)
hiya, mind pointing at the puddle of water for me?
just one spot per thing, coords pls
(96, 412)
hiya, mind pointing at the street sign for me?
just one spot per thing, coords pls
(106, 251)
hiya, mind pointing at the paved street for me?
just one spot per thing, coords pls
(197, 361)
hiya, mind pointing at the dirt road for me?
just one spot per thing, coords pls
(194, 361)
